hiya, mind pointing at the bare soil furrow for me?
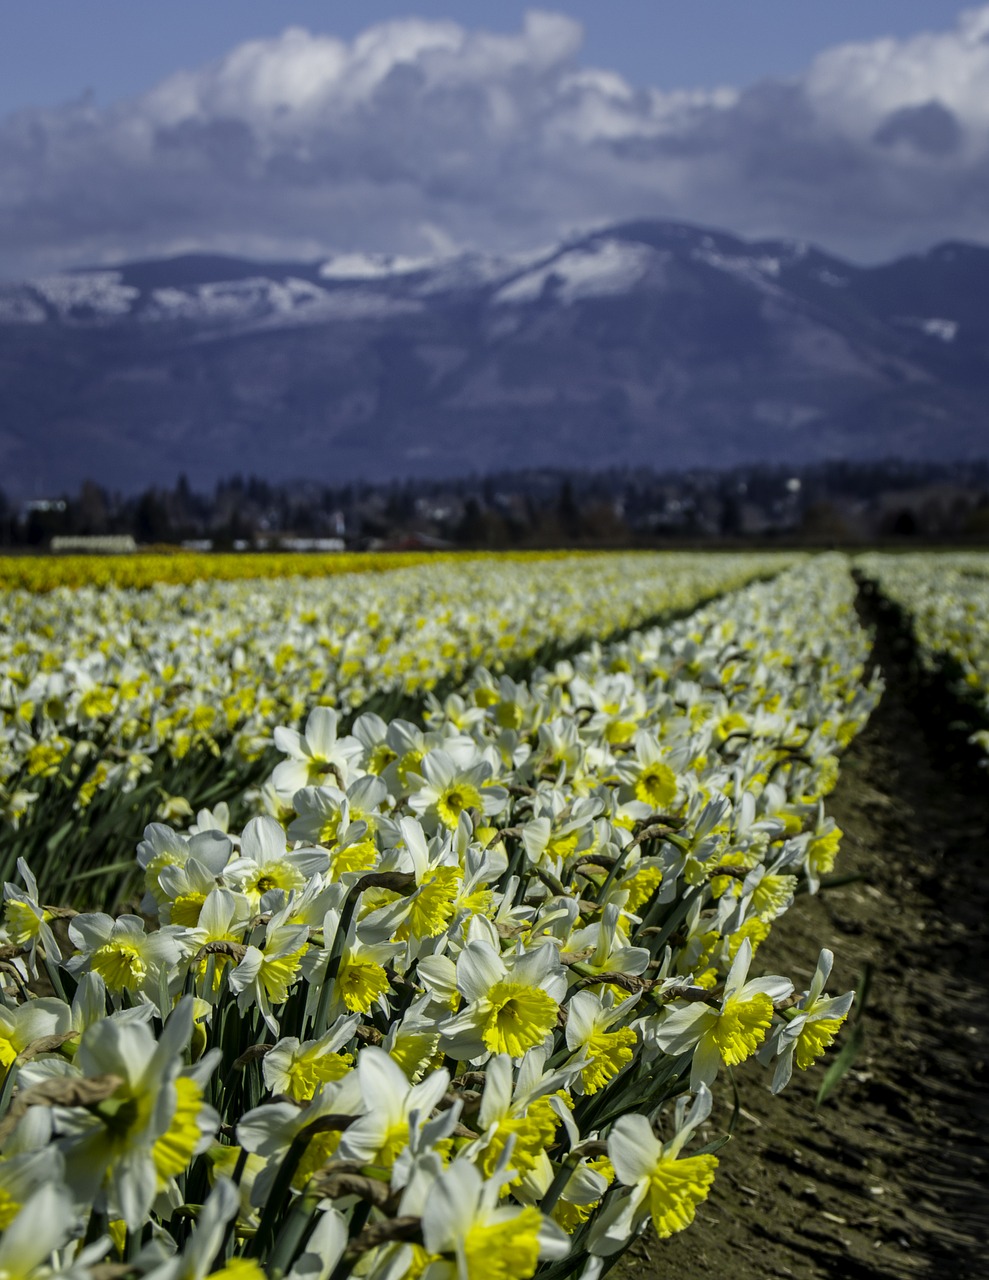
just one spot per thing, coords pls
(889, 1179)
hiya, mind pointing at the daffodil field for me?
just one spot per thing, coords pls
(145, 569)
(442, 941)
(945, 598)
(118, 705)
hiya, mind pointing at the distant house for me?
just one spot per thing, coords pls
(43, 505)
(114, 544)
(311, 544)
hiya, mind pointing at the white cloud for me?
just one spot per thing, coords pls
(857, 86)
(420, 133)
(299, 81)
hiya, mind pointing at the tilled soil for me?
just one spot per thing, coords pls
(889, 1178)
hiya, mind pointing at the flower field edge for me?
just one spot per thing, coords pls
(457, 1001)
(944, 597)
(177, 567)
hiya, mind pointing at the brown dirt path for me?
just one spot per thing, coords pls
(890, 1177)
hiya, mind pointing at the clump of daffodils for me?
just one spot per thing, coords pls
(107, 690)
(454, 1003)
(944, 598)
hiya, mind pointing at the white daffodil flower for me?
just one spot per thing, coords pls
(648, 775)
(184, 891)
(391, 1108)
(264, 977)
(427, 911)
(820, 848)
(361, 983)
(482, 866)
(407, 743)
(315, 755)
(479, 1239)
(44, 1223)
(26, 921)
(559, 751)
(223, 918)
(23, 1025)
(550, 840)
(602, 1047)
(609, 946)
(770, 890)
(121, 1151)
(22, 1173)
(371, 731)
(519, 1118)
(162, 847)
(728, 1034)
(808, 1028)
(266, 862)
(126, 957)
(438, 975)
(512, 1002)
(449, 784)
(298, 1068)
(306, 906)
(413, 1042)
(89, 1006)
(325, 812)
(215, 819)
(268, 1131)
(664, 1185)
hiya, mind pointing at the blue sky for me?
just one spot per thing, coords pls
(54, 50)
(300, 128)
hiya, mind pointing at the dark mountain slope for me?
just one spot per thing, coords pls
(649, 342)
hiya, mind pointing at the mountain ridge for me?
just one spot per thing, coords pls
(647, 342)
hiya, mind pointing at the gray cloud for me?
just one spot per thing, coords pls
(420, 136)
(930, 128)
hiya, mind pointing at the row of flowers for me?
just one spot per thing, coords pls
(180, 567)
(454, 1003)
(946, 598)
(101, 687)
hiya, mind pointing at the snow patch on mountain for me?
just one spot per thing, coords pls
(755, 270)
(595, 270)
(86, 294)
(477, 270)
(259, 300)
(234, 300)
(373, 266)
(425, 276)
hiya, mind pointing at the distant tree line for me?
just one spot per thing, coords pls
(839, 502)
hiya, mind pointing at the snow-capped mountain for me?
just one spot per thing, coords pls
(651, 342)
